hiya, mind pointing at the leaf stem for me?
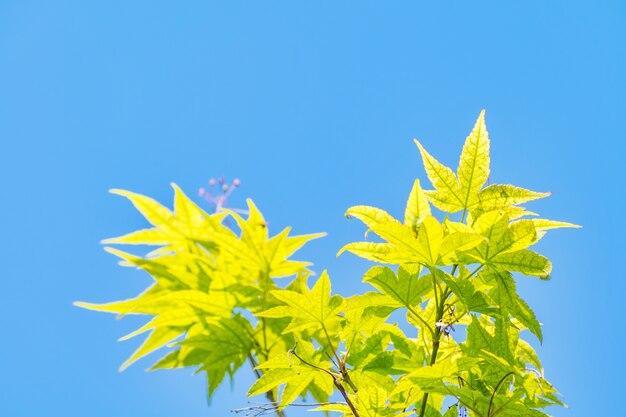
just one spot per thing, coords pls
(495, 391)
(412, 310)
(463, 215)
(336, 381)
(330, 343)
(340, 364)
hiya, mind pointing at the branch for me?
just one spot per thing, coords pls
(437, 331)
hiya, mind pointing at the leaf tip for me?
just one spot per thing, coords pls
(318, 235)
(117, 191)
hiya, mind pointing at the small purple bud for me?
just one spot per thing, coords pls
(201, 191)
(224, 187)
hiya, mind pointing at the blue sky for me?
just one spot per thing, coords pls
(314, 106)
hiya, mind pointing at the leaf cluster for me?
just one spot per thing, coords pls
(218, 300)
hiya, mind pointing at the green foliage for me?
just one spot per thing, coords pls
(216, 301)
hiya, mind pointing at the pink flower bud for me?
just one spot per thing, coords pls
(224, 187)
(236, 182)
(201, 191)
(212, 182)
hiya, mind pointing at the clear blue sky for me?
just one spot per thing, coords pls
(313, 105)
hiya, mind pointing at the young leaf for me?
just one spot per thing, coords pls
(473, 169)
(316, 310)
(377, 252)
(417, 207)
(158, 338)
(457, 242)
(505, 294)
(447, 195)
(525, 261)
(154, 212)
(371, 216)
(297, 374)
(545, 224)
(499, 196)
(405, 291)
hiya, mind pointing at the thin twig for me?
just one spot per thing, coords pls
(269, 394)
(336, 381)
(261, 409)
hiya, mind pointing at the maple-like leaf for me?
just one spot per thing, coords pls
(317, 310)
(215, 302)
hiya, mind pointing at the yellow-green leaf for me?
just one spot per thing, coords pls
(473, 169)
(458, 242)
(430, 238)
(158, 337)
(404, 292)
(417, 207)
(316, 310)
(498, 196)
(371, 216)
(154, 212)
(377, 252)
(444, 181)
(545, 224)
(525, 261)
(153, 236)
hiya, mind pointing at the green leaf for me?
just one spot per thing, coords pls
(505, 293)
(154, 212)
(430, 238)
(189, 215)
(519, 235)
(417, 207)
(163, 302)
(406, 290)
(431, 378)
(377, 252)
(224, 345)
(316, 310)
(293, 243)
(473, 169)
(464, 290)
(498, 196)
(525, 261)
(270, 380)
(142, 237)
(158, 338)
(447, 195)
(457, 242)
(371, 216)
(504, 238)
(478, 338)
(297, 376)
(545, 224)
